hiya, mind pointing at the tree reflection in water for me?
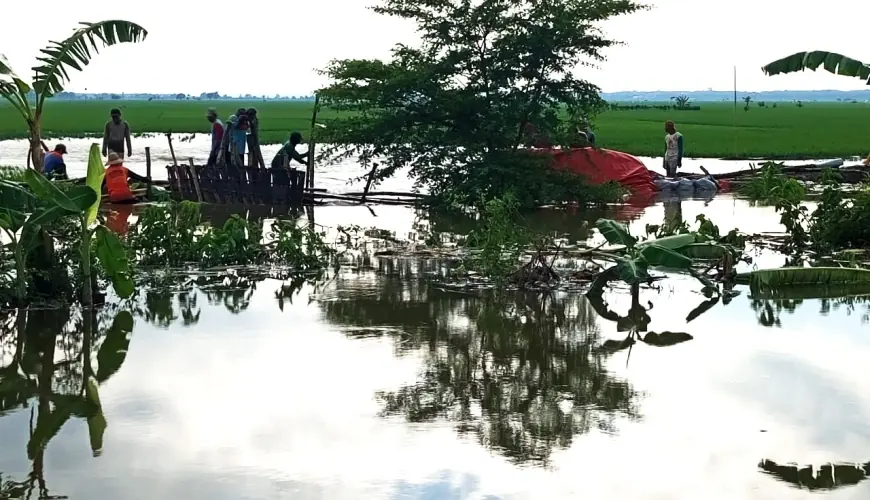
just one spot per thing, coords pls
(522, 374)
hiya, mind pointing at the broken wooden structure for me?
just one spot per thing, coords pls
(230, 184)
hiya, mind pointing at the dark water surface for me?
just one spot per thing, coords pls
(380, 383)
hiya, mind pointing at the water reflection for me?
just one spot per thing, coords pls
(822, 478)
(521, 375)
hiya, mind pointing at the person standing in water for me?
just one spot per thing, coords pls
(217, 135)
(673, 159)
(237, 129)
(116, 133)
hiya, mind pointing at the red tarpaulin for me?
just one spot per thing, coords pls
(603, 165)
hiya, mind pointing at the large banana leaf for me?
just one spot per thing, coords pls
(632, 271)
(96, 172)
(666, 339)
(76, 52)
(13, 88)
(788, 277)
(96, 420)
(705, 251)
(830, 61)
(809, 292)
(113, 258)
(657, 256)
(672, 242)
(112, 353)
(615, 233)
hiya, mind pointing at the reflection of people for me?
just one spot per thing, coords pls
(52, 165)
(116, 133)
(673, 149)
(288, 150)
(116, 180)
(118, 219)
(673, 214)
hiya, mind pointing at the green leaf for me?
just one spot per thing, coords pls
(788, 277)
(615, 233)
(38, 219)
(658, 256)
(632, 271)
(46, 191)
(84, 197)
(112, 353)
(702, 308)
(113, 258)
(96, 172)
(76, 52)
(673, 242)
(666, 339)
(705, 251)
(830, 61)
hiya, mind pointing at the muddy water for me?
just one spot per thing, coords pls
(333, 177)
(381, 384)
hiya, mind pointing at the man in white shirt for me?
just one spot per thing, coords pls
(673, 159)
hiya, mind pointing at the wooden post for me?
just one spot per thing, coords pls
(195, 180)
(171, 149)
(309, 173)
(148, 169)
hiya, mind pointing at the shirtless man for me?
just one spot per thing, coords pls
(117, 132)
(673, 159)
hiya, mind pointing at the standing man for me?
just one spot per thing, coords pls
(237, 129)
(673, 149)
(117, 132)
(217, 135)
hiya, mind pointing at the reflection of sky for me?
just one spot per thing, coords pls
(265, 404)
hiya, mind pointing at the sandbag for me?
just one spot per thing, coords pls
(685, 184)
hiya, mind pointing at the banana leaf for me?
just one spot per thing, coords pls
(705, 251)
(701, 309)
(94, 180)
(810, 292)
(789, 277)
(671, 242)
(814, 478)
(615, 233)
(831, 62)
(612, 346)
(113, 351)
(632, 271)
(113, 258)
(658, 256)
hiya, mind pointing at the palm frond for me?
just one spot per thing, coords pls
(12, 87)
(76, 52)
(831, 62)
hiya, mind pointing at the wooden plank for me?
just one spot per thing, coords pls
(195, 180)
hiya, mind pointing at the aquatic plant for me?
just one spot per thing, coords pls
(51, 74)
(498, 241)
(772, 186)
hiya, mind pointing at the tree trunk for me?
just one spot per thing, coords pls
(36, 153)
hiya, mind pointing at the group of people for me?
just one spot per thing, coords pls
(232, 139)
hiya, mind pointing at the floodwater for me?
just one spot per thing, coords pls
(332, 177)
(380, 383)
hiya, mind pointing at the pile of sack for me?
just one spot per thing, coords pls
(681, 184)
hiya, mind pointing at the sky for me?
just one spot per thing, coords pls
(279, 45)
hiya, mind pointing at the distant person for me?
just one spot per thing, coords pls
(288, 150)
(53, 165)
(116, 181)
(217, 134)
(237, 128)
(586, 129)
(117, 132)
(673, 159)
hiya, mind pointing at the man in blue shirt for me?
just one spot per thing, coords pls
(237, 128)
(52, 165)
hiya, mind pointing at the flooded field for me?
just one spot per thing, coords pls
(380, 382)
(333, 177)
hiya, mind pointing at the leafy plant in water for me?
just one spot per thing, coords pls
(82, 203)
(303, 248)
(167, 234)
(773, 187)
(499, 240)
(236, 243)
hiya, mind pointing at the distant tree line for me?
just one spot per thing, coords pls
(662, 107)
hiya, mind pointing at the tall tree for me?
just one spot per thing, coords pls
(51, 72)
(456, 108)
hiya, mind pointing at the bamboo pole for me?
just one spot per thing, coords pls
(171, 149)
(148, 169)
(309, 174)
(371, 177)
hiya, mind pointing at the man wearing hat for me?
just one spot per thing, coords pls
(53, 166)
(116, 179)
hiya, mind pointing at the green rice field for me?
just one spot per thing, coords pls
(816, 130)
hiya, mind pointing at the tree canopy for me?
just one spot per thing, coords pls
(456, 108)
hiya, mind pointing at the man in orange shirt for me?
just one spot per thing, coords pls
(116, 179)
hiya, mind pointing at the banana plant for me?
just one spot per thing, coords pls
(635, 258)
(51, 73)
(831, 62)
(806, 282)
(83, 202)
